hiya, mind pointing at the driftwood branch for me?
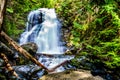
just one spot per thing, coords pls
(2, 9)
(7, 64)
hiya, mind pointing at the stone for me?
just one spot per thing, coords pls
(71, 75)
(28, 72)
(30, 47)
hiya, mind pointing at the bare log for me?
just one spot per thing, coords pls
(7, 64)
(21, 50)
(2, 9)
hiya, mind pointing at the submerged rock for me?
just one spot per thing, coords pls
(71, 75)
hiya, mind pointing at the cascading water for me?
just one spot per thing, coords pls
(43, 28)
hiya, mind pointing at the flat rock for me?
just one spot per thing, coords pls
(71, 75)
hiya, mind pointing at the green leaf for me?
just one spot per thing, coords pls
(10, 10)
(77, 25)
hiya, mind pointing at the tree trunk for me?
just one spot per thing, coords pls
(2, 9)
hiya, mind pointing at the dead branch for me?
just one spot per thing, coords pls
(7, 64)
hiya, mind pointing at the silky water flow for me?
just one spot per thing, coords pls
(43, 28)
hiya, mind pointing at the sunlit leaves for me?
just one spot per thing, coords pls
(103, 40)
(10, 10)
(78, 26)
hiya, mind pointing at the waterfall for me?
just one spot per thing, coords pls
(43, 28)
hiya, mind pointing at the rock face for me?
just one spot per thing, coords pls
(71, 75)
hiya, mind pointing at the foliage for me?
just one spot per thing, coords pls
(94, 25)
(98, 32)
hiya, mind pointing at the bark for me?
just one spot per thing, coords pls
(7, 64)
(2, 9)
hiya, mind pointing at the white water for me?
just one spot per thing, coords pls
(44, 34)
(48, 37)
(43, 28)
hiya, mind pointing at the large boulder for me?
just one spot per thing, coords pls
(30, 47)
(71, 75)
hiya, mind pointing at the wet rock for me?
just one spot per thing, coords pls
(71, 75)
(30, 47)
(28, 72)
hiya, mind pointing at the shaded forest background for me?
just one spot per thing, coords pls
(92, 27)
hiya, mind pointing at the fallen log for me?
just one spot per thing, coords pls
(21, 50)
(7, 64)
(26, 54)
